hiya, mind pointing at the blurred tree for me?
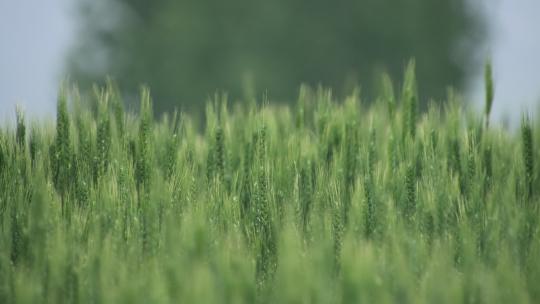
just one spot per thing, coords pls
(186, 50)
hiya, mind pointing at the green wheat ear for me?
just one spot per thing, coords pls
(21, 129)
(370, 220)
(409, 99)
(117, 106)
(527, 141)
(410, 191)
(488, 79)
(143, 152)
(220, 152)
(62, 149)
(3, 156)
(33, 146)
(104, 139)
(388, 94)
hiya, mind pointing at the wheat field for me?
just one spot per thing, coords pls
(327, 201)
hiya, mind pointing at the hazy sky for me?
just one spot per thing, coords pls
(35, 35)
(515, 50)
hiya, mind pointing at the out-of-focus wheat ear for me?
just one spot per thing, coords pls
(370, 220)
(33, 145)
(409, 100)
(103, 137)
(143, 148)
(3, 156)
(528, 157)
(62, 150)
(350, 147)
(487, 163)
(117, 106)
(410, 190)
(488, 80)
(20, 135)
(372, 151)
(220, 152)
(303, 97)
(389, 95)
(305, 191)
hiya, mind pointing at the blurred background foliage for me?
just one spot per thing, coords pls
(187, 50)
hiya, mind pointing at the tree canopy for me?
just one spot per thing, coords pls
(186, 50)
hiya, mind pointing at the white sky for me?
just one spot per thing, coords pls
(35, 35)
(515, 53)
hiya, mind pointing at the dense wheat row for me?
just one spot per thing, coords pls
(327, 202)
